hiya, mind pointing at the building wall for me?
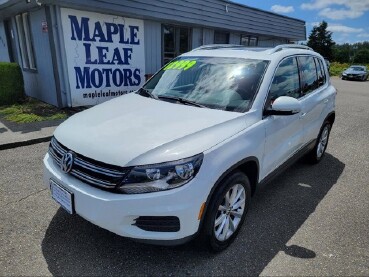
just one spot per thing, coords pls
(153, 46)
(4, 53)
(270, 41)
(219, 14)
(204, 17)
(39, 83)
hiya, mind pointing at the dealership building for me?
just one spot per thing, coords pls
(77, 53)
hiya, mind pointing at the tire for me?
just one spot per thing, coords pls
(217, 233)
(343, 78)
(317, 154)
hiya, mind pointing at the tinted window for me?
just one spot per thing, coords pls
(321, 78)
(286, 80)
(309, 79)
(221, 38)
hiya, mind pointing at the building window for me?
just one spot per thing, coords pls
(176, 41)
(249, 40)
(221, 37)
(25, 42)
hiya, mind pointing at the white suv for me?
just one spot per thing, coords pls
(183, 155)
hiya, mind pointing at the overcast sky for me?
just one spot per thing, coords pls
(347, 19)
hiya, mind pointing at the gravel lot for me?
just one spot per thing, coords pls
(312, 220)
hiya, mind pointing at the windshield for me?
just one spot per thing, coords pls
(219, 83)
(357, 68)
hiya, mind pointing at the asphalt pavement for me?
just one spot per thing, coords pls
(312, 220)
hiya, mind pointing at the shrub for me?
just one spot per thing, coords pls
(11, 83)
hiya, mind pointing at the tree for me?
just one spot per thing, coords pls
(320, 39)
(362, 56)
(351, 53)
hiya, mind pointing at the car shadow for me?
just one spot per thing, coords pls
(30, 127)
(73, 246)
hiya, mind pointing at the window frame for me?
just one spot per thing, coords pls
(222, 32)
(249, 37)
(25, 41)
(302, 95)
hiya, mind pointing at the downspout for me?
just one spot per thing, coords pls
(60, 50)
(54, 60)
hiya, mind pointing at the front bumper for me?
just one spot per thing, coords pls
(117, 212)
(353, 77)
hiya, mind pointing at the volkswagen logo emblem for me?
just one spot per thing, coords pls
(67, 162)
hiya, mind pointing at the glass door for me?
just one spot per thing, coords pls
(176, 41)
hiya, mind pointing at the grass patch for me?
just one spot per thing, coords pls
(31, 110)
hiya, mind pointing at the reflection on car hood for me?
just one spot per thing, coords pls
(133, 129)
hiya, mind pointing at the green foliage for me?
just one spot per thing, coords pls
(31, 111)
(321, 40)
(352, 53)
(11, 83)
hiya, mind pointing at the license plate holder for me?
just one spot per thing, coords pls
(62, 196)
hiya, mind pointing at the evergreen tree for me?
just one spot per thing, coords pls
(321, 40)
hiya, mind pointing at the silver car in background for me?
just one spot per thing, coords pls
(355, 72)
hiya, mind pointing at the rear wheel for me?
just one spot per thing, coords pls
(318, 152)
(226, 212)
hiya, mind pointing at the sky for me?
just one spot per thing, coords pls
(348, 20)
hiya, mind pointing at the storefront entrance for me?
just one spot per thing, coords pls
(176, 41)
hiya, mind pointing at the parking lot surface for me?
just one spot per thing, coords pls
(312, 220)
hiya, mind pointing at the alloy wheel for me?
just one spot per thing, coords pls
(323, 140)
(230, 211)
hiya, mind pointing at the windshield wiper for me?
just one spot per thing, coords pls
(146, 92)
(181, 100)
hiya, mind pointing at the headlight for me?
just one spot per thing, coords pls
(159, 177)
(344, 73)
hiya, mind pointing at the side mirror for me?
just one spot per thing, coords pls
(284, 105)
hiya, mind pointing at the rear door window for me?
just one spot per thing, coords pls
(309, 77)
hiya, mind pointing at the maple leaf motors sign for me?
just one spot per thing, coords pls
(105, 55)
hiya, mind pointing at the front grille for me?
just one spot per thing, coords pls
(88, 170)
(158, 223)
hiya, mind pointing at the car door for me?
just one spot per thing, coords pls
(315, 96)
(283, 133)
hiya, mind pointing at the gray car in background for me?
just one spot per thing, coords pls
(355, 72)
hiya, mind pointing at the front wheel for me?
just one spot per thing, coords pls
(226, 212)
(316, 155)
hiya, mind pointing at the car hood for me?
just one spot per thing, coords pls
(135, 130)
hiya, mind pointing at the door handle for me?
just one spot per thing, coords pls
(325, 101)
(302, 115)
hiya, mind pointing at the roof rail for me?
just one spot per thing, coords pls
(289, 46)
(218, 46)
